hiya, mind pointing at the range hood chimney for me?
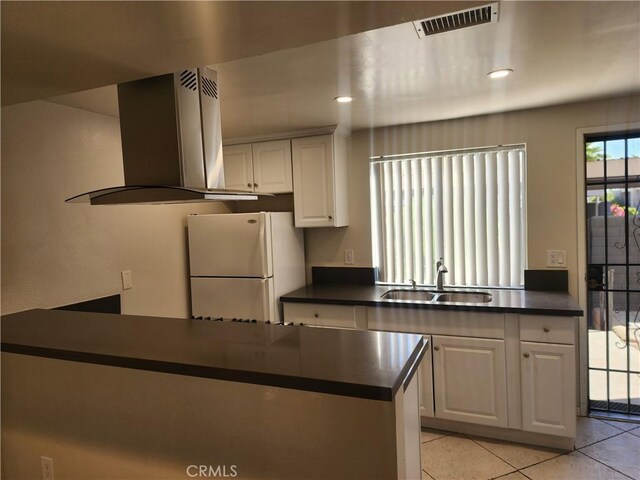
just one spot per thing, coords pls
(171, 142)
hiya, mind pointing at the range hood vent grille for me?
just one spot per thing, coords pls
(209, 87)
(189, 79)
(457, 20)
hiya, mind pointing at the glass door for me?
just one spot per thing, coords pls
(613, 266)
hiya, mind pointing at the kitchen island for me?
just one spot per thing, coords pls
(121, 396)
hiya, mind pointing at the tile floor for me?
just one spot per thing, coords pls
(605, 450)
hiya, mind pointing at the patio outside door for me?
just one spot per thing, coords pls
(613, 272)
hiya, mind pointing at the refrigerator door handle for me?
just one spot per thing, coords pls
(265, 300)
(263, 247)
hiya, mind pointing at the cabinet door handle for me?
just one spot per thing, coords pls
(317, 315)
(249, 185)
(526, 355)
(546, 329)
(436, 348)
(255, 185)
(330, 217)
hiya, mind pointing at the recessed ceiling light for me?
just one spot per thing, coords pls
(503, 72)
(343, 99)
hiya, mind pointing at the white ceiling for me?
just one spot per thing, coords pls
(559, 51)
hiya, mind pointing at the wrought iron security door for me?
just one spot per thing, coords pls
(613, 283)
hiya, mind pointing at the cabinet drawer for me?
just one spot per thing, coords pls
(341, 316)
(545, 329)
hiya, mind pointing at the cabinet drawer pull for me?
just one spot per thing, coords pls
(436, 348)
(526, 355)
(546, 329)
(330, 217)
(317, 315)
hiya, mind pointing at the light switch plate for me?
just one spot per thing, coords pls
(127, 279)
(556, 258)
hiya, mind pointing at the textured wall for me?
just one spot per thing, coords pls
(55, 253)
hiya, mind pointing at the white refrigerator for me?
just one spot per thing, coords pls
(241, 263)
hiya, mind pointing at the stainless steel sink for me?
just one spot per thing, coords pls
(464, 297)
(408, 295)
(430, 296)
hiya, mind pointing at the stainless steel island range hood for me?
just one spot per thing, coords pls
(171, 142)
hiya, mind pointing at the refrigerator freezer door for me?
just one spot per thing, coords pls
(247, 298)
(230, 245)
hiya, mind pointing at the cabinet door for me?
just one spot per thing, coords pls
(272, 167)
(313, 181)
(548, 388)
(470, 382)
(425, 383)
(238, 169)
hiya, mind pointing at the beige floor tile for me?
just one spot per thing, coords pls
(572, 466)
(428, 434)
(517, 454)
(626, 426)
(621, 453)
(458, 458)
(591, 430)
(512, 476)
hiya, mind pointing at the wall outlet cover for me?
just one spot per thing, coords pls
(348, 257)
(47, 468)
(127, 279)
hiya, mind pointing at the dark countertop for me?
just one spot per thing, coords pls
(503, 301)
(355, 363)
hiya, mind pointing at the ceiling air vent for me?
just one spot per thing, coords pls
(456, 20)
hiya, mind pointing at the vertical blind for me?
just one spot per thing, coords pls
(466, 206)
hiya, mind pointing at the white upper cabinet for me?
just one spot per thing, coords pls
(320, 181)
(238, 167)
(263, 167)
(272, 167)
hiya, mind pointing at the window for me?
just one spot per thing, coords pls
(466, 206)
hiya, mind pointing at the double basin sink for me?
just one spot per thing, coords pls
(435, 296)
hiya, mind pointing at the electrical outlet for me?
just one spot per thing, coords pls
(47, 468)
(348, 257)
(556, 258)
(127, 279)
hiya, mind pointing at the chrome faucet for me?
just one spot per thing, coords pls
(413, 283)
(441, 270)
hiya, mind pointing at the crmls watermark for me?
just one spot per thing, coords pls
(212, 471)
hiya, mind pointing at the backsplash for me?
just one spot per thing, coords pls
(352, 275)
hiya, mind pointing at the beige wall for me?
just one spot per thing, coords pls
(133, 424)
(55, 253)
(550, 136)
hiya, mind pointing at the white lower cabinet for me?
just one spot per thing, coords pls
(470, 381)
(425, 382)
(548, 388)
(464, 376)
